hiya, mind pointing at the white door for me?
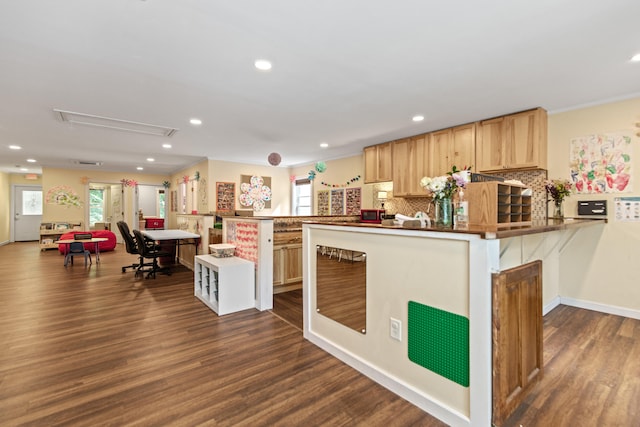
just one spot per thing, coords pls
(27, 208)
(115, 209)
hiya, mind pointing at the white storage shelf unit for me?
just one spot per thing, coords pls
(225, 285)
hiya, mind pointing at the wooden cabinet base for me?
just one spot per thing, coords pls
(517, 337)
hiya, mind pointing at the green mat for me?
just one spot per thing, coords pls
(439, 341)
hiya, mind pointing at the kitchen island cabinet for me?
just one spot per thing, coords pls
(447, 273)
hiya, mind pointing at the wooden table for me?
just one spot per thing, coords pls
(94, 240)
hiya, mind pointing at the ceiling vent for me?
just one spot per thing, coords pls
(110, 123)
(87, 163)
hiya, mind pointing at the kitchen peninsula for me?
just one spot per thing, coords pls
(432, 330)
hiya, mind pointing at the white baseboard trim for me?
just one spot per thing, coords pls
(406, 391)
(6, 242)
(553, 304)
(603, 308)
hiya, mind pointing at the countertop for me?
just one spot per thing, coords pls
(488, 232)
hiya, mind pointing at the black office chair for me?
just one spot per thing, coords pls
(77, 248)
(149, 251)
(130, 245)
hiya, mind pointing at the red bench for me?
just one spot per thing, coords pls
(107, 245)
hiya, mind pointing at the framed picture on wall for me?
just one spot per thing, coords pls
(225, 196)
(337, 202)
(353, 197)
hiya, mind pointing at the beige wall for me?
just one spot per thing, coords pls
(607, 274)
(338, 172)
(78, 182)
(5, 204)
(7, 181)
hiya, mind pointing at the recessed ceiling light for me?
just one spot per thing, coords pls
(31, 160)
(166, 145)
(15, 147)
(324, 145)
(140, 168)
(150, 159)
(635, 58)
(195, 122)
(24, 169)
(263, 64)
(418, 118)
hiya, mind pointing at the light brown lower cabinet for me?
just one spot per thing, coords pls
(287, 267)
(517, 337)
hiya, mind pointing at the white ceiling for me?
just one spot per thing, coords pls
(347, 72)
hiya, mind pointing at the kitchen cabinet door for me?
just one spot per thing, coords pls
(411, 162)
(513, 142)
(453, 147)
(526, 136)
(517, 337)
(378, 163)
(490, 145)
(462, 149)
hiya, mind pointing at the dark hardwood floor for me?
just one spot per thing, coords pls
(592, 369)
(92, 346)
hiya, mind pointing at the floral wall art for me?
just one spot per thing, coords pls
(255, 191)
(63, 195)
(601, 163)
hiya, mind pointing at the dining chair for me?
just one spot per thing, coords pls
(77, 248)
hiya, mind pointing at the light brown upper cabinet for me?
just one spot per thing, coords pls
(411, 161)
(516, 141)
(377, 163)
(453, 147)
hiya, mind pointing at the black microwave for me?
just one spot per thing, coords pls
(373, 216)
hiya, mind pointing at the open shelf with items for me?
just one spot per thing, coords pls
(498, 203)
(225, 285)
(50, 232)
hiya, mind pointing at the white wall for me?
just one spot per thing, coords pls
(147, 195)
(607, 274)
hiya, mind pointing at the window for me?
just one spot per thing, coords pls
(96, 205)
(161, 203)
(302, 197)
(31, 202)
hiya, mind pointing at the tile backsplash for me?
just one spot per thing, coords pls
(533, 179)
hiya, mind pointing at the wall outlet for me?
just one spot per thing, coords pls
(395, 329)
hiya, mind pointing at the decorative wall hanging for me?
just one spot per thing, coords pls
(601, 163)
(353, 198)
(196, 176)
(256, 192)
(244, 235)
(166, 184)
(321, 167)
(129, 182)
(337, 202)
(203, 195)
(323, 202)
(225, 196)
(342, 185)
(274, 159)
(84, 180)
(64, 196)
(174, 201)
(312, 175)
